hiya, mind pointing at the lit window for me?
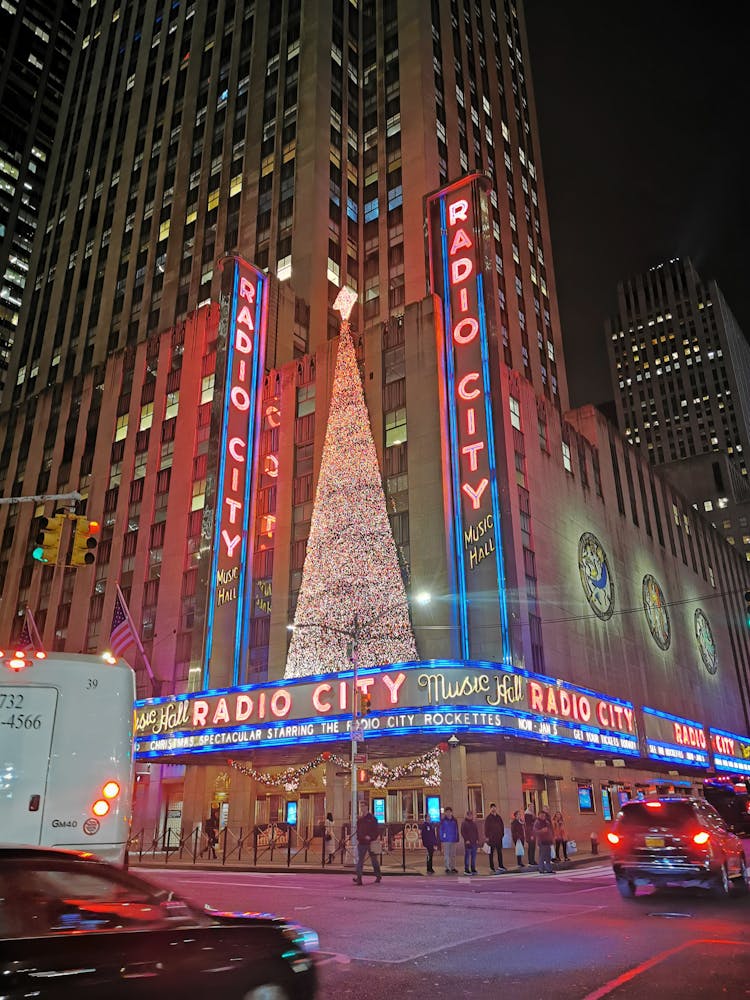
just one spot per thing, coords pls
(515, 412)
(395, 427)
(147, 416)
(207, 388)
(173, 405)
(199, 495)
(566, 457)
(121, 430)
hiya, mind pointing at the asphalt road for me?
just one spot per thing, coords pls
(567, 936)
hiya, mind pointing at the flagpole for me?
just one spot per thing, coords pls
(136, 636)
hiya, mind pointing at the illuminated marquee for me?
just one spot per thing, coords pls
(675, 740)
(730, 751)
(244, 331)
(456, 216)
(435, 697)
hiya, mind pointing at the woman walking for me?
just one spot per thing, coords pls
(561, 840)
(545, 837)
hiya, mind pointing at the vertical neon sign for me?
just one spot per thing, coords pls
(227, 623)
(469, 457)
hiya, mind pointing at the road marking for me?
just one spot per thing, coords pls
(626, 977)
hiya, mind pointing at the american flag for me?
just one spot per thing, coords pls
(121, 637)
(24, 640)
(29, 637)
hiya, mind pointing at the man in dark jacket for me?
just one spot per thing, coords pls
(429, 841)
(470, 837)
(494, 831)
(528, 820)
(518, 835)
(368, 831)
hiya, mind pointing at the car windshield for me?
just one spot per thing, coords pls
(641, 814)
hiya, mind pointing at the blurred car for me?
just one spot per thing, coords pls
(732, 802)
(74, 926)
(674, 841)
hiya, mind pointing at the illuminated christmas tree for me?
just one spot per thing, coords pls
(351, 581)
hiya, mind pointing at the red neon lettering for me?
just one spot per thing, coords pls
(272, 415)
(551, 705)
(262, 705)
(471, 325)
(200, 711)
(242, 341)
(393, 686)
(724, 745)
(231, 543)
(245, 318)
(601, 714)
(343, 689)
(321, 706)
(365, 683)
(463, 298)
(461, 239)
(235, 479)
(584, 709)
(242, 372)
(240, 397)
(629, 719)
(234, 446)
(475, 495)
(463, 391)
(281, 703)
(471, 450)
(221, 712)
(471, 420)
(234, 506)
(461, 269)
(457, 212)
(536, 693)
(247, 290)
(243, 707)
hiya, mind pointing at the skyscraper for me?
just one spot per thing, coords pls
(36, 42)
(680, 369)
(303, 134)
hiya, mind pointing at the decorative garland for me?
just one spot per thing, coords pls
(427, 765)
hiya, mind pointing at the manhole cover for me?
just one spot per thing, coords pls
(671, 916)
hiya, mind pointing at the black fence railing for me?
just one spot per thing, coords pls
(266, 845)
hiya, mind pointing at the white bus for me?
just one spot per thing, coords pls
(66, 752)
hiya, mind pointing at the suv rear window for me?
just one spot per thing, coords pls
(675, 814)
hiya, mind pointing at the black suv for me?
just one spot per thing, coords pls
(732, 803)
(675, 841)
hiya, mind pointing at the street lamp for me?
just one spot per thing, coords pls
(358, 630)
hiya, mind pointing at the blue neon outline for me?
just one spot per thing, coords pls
(494, 489)
(242, 633)
(673, 718)
(220, 483)
(457, 520)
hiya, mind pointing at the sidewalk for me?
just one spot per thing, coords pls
(414, 866)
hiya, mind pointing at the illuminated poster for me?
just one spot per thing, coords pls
(678, 741)
(730, 751)
(243, 334)
(457, 217)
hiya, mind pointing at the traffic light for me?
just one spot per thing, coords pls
(365, 703)
(48, 540)
(747, 608)
(84, 542)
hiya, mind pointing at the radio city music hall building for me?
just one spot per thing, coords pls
(586, 629)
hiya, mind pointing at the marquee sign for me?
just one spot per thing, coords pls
(437, 696)
(730, 751)
(458, 220)
(244, 333)
(675, 740)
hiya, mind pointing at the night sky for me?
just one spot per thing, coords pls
(642, 113)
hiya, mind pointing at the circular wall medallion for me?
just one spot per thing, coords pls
(705, 639)
(657, 616)
(596, 578)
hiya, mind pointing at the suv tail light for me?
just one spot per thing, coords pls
(613, 838)
(701, 838)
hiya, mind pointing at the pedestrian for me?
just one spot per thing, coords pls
(470, 837)
(368, 832)
(561, 842)
(528, 820)
(330, 841)
(449, 839)
(429, 841)
(518, 836)
(211, 830)
(494, 831)
(545, 837)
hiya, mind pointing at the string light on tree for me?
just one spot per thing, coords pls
(351, 569)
